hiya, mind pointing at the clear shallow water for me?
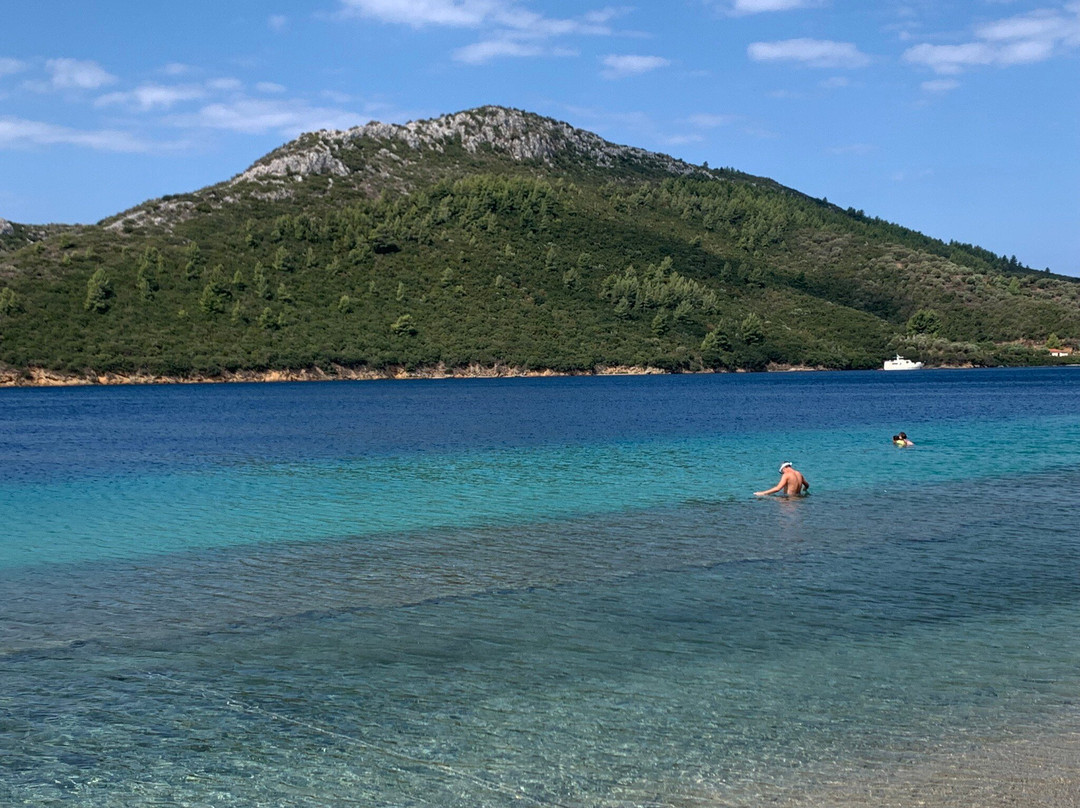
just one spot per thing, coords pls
(550, 591)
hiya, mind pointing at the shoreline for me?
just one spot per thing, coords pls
(40, 377)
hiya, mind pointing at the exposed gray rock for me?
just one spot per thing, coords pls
(6, 227)
(156, 212)
(523, 136)
(301, 163)
(275, 194)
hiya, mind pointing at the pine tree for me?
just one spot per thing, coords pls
(98, 292)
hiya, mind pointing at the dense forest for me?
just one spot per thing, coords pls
(389, 253)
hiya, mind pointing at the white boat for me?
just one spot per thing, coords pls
(901, 364)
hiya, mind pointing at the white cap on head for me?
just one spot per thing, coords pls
(784, 466)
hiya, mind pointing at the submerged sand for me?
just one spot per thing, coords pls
(1039, 769)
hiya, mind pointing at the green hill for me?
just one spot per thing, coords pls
(495, 236)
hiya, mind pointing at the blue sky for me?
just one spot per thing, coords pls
(958, 119)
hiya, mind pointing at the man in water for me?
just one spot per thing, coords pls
(792, 483)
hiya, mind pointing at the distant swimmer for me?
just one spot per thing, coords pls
(901, 440)
(792, 483)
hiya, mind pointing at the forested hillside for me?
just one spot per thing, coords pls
(499, 237)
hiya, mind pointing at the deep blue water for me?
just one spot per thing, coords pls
(540, 591)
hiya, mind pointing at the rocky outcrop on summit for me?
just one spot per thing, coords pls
(6, 227)
(520, 135)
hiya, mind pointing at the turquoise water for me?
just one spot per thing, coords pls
(546, 592)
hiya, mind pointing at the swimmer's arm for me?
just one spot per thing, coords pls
(772, 490)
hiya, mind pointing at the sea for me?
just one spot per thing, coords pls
(543, 592)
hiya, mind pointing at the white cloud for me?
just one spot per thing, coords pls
(535, 25)
(74, 74)
(1026, 52)
(858, 149)
(151, 96)
(336, 96)
(255, 117)
(21, 133)
(950, 59)
(175, 69)
(711, 121)
(810, 52)
(225, 85)
(9, 66)
(511, 29)
(1037, 25)
(602, 16)
(1024, 39)
(682, 140)
(417, 13)
(277, 22)
(760, 6)
(483, 52)
(617, 67)
(940, 85)
(507, 14)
